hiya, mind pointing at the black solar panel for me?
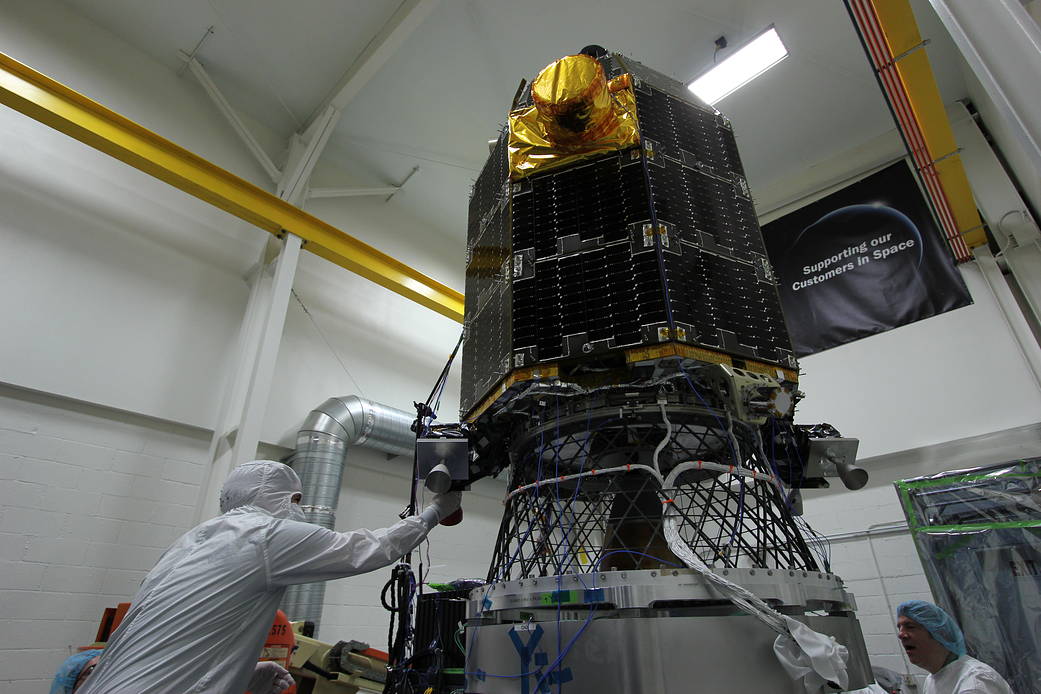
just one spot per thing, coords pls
(561, 264)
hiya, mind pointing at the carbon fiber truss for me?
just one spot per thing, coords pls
(592, 471)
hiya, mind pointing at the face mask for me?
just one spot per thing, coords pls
(296, 513)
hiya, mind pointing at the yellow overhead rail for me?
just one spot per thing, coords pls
(894, 46)
(63, 109)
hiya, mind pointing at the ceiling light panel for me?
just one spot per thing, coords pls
(744, 65)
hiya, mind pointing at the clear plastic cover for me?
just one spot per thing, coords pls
(978, 533)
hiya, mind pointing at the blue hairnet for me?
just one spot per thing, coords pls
(65, 679)
(940, 625)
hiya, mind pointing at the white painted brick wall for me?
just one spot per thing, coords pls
(880, 570)
(88, 504)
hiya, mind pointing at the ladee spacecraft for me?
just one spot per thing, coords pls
(627, 367)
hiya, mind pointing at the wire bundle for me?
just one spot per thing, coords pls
(399, 593)
(397, 598)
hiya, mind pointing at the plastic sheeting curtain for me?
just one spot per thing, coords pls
(978, 533)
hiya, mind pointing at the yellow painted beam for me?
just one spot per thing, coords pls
(67, 111)
(897, 21)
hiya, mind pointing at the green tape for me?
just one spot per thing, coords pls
(563, 597)
(906, 491)
(905, 498)
(965, 478)
(906, 487)
(969, 527)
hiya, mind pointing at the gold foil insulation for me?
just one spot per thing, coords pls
(577, 114)
(571, 96)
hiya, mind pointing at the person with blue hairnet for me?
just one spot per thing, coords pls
(75, 671)
(200, 617)
(934, 642)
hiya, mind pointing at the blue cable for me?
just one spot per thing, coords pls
(503, 677)
(556, 493)
(556, 479)
(506, 567)
(567, 541)
(562, 654)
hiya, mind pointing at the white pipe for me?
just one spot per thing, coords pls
(885, 596)
(872, 531)
(883, 529)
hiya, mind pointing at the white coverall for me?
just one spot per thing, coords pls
(966, 675)
(201, 616)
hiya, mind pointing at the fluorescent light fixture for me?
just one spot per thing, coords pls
(748, 62)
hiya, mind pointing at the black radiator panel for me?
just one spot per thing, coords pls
(562, 264)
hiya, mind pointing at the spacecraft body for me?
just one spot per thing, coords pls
(563, 258)
(628, 367)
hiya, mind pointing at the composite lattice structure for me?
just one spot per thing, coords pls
(587, 492)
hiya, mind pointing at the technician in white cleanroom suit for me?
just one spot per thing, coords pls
(933, 641)
(201, 616)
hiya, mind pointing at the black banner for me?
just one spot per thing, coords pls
(861, 261)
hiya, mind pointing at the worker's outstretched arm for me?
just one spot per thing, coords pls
(304, 553)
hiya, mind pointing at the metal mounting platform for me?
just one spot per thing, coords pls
(648, 631)
(787, 590)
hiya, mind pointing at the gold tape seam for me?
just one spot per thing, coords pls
(632, 356)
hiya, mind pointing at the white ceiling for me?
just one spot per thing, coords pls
(445, 91)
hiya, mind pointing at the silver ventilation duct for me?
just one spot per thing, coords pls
(319, 459)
